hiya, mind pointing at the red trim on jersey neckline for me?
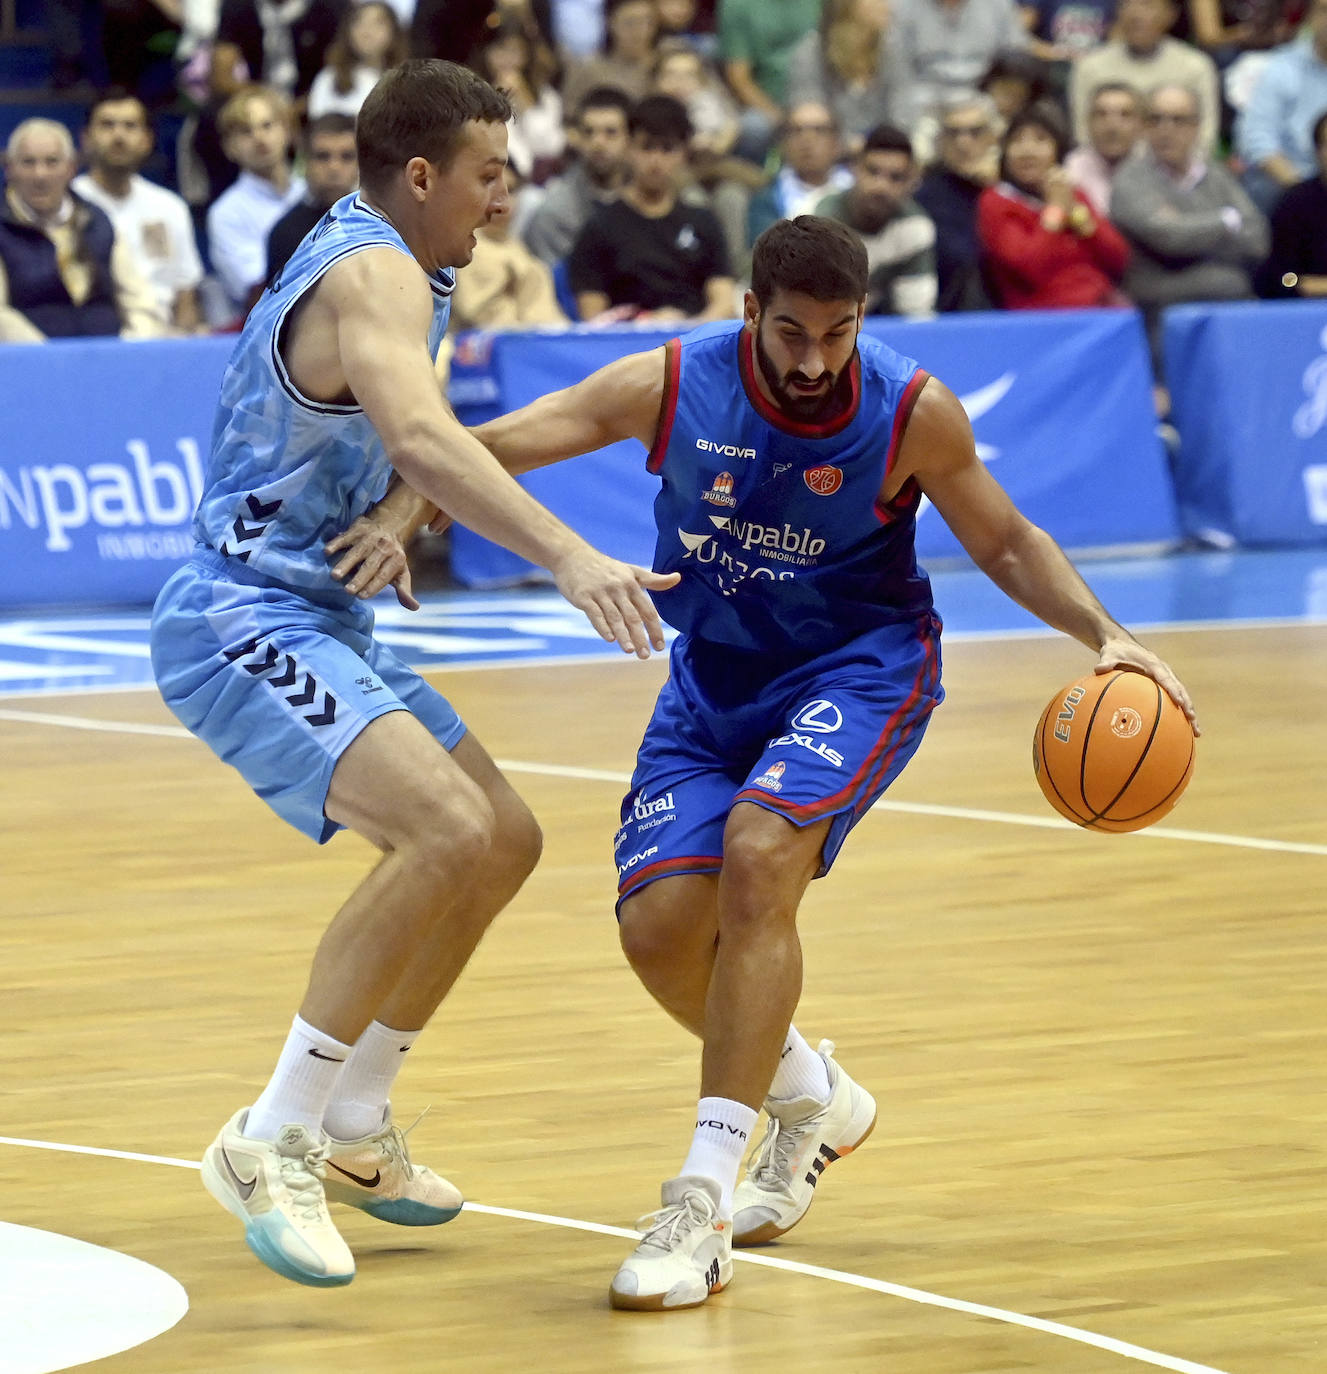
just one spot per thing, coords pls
(746, 360)
(667, 405)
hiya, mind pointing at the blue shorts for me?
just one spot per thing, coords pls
(823, 739)
(278, 684)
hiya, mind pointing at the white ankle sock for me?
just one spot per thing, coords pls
(302, 1084)
(801, 1071)
(723, 1131)
(361, 1094)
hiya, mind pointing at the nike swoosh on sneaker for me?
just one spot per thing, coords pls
(355, 1178)
(244, 1189)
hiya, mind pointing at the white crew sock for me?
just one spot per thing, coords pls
(359, 1102)
(302, 1084)
(723, 1131)
(801, 1071)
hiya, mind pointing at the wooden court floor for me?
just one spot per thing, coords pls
(1099, 1059)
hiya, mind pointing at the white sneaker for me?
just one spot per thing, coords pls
(375, 1174)
(685, 1253)
(275, 1187)
(803, 1138)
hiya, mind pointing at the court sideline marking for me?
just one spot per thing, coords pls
(894, 1290)
(554, 770)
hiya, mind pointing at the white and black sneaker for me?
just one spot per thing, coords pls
(803, 1138)
(685, 1253)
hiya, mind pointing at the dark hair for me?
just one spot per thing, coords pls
(1016, 64)
(661, 117)
(420, 109)
(328, 124)
(605, 98)
(1041, 114)
(812, 255)
(117, 95)
(885, 138)
(1318, 126)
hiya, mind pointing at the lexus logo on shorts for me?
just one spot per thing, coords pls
(818, 718)
(824, 481)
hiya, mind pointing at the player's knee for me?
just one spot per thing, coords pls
(520, 842)
(455, 842)
(648, 933)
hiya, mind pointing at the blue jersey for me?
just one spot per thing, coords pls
(287, 473)
(777, 526)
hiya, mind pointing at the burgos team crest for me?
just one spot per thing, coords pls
(824, 481)
(769, 779)
(721, 493)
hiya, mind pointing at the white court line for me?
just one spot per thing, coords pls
(815, 1271)
(554, 770)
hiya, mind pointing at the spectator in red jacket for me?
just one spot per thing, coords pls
(1043, 246)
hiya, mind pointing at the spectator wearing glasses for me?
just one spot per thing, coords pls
(949, 191)
(1143, 55)
(1114, 128)
(1196, 235)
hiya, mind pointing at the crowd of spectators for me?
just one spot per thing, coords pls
(991, 154)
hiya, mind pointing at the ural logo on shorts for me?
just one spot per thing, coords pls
(769, 779)
(824, 481)
(264, 661)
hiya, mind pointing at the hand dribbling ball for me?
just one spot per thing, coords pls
(1112, 751)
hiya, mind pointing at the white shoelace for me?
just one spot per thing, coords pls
(666, 1227)
(774, 1163)
(298, 1174)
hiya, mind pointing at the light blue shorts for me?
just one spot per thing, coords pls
(278, 684)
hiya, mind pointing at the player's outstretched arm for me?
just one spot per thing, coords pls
(619, 401)
(380, 309)
(1019, 557)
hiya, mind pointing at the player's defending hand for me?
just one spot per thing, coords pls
(613, 597)
(1124, 652)
(374, 558)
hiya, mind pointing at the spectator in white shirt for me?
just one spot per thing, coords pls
(369, 41)
(255, 132)
(154, 224)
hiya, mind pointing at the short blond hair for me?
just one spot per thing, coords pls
(234, 116)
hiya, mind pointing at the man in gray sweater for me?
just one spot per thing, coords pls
(1195, 233)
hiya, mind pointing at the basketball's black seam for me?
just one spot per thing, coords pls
(1093, 814)
(1045, 766)
(1156, 725)
(1183, 776)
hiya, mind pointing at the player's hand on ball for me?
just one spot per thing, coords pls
(1128, 653)
(373, 557)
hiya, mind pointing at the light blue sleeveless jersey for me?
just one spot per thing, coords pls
(286, 473)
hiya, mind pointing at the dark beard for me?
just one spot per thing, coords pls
(806, 410)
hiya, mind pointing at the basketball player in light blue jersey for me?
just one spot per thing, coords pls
(793, 455)
(263, 653)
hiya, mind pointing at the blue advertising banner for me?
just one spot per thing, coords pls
(1060, 404)
(1248, 389)
(101, 465)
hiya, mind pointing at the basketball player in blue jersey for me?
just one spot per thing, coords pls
(793, 454)
(262, 649)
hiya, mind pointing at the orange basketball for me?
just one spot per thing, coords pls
(1112, 751)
